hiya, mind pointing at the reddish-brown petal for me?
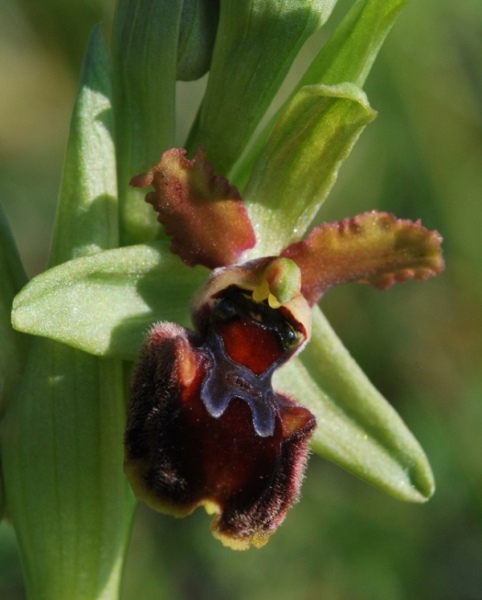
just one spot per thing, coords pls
(202, 212)
(374, 247)
(179, 457)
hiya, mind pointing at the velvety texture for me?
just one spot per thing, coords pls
(179, 456)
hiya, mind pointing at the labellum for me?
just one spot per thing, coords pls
(205, 426)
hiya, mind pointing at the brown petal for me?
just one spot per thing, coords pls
(202, 212)
(373, 247)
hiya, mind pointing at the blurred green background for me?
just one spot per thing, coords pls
(421, 344)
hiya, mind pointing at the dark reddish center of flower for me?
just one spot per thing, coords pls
(250, 344)
(245, 342)
(254, 334)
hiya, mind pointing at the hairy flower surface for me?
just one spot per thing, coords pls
(205, 426)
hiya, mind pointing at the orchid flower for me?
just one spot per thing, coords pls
(205, 426)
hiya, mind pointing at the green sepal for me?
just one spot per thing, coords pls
(144, 56)
(299, 164)
(256, 43)
(356, 427)
(105, 303)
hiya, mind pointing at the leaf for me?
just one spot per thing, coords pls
(297, 168)
(356, 427)
(347, 57)
(256, 44)
(104, 303)
(87, 214)
(352, 49)
(62, 461)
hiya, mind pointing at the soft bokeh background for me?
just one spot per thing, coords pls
(420, 343)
